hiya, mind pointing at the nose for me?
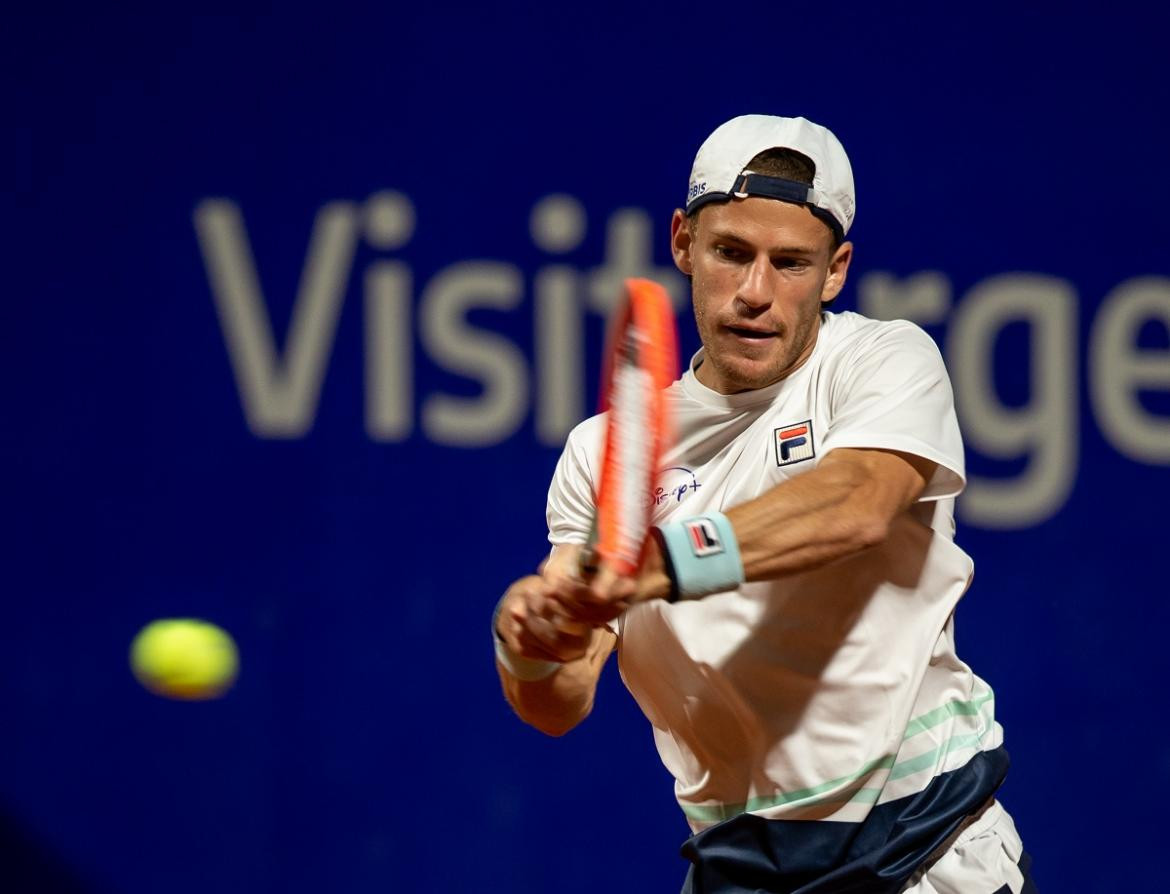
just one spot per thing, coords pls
(755, 289)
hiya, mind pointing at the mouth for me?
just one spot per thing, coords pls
(751, 334)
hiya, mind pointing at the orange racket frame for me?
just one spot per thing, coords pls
(641, 360)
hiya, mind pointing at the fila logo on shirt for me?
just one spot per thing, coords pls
(704, 537)
(794, 443)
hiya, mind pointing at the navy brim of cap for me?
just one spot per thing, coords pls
(778, 188)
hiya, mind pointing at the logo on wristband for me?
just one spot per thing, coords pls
(704, 537)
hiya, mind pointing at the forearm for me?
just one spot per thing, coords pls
(829, 513)
(559, 702)
(842, 507)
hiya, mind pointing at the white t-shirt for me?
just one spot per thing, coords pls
(821, 694)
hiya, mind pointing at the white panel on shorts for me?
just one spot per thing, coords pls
(982, 859)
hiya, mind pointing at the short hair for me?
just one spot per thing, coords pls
(790, 165)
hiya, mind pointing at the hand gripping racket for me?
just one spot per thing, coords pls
(641, 360)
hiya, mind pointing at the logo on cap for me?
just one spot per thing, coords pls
(696, 190)
(794, 443)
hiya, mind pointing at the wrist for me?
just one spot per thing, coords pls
(700, 555)
(653, 580)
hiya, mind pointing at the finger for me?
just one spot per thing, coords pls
(564, 579)
(597, 601)
(564, 591)
(570, 619)
(567, 599)
(554, 617)
(515, 619)
(514, 632)
(530, 640)
(566, 623)
(517, 596)
(576, 605)
(545, 642)
(556, 635)
(608, 586)
(591, 613)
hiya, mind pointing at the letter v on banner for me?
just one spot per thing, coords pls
(279, 394)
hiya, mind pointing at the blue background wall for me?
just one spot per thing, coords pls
(1011, 179)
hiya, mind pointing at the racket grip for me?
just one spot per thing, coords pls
(588, 562)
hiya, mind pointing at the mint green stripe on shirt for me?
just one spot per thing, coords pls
(945, 713)
(714, 813)
(930, 758)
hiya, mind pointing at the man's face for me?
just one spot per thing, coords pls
(760, 270)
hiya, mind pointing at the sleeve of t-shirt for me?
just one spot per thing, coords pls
(569, 510)
(892, 392)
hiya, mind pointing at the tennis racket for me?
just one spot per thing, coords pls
(641, 360)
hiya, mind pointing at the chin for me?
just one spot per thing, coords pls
(745, 375)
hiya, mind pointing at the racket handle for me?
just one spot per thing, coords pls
(588, 561)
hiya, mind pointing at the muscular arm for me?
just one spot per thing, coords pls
(841, 507)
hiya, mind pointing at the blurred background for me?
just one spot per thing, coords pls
(301, 302)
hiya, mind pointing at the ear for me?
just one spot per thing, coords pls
(681, 242)
(838, 269)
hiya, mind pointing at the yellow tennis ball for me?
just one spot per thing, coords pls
(184, 658)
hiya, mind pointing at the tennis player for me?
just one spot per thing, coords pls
(790, 635)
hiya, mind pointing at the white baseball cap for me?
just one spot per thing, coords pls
(718, 173)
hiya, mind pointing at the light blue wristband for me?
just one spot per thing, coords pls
(702, 555)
